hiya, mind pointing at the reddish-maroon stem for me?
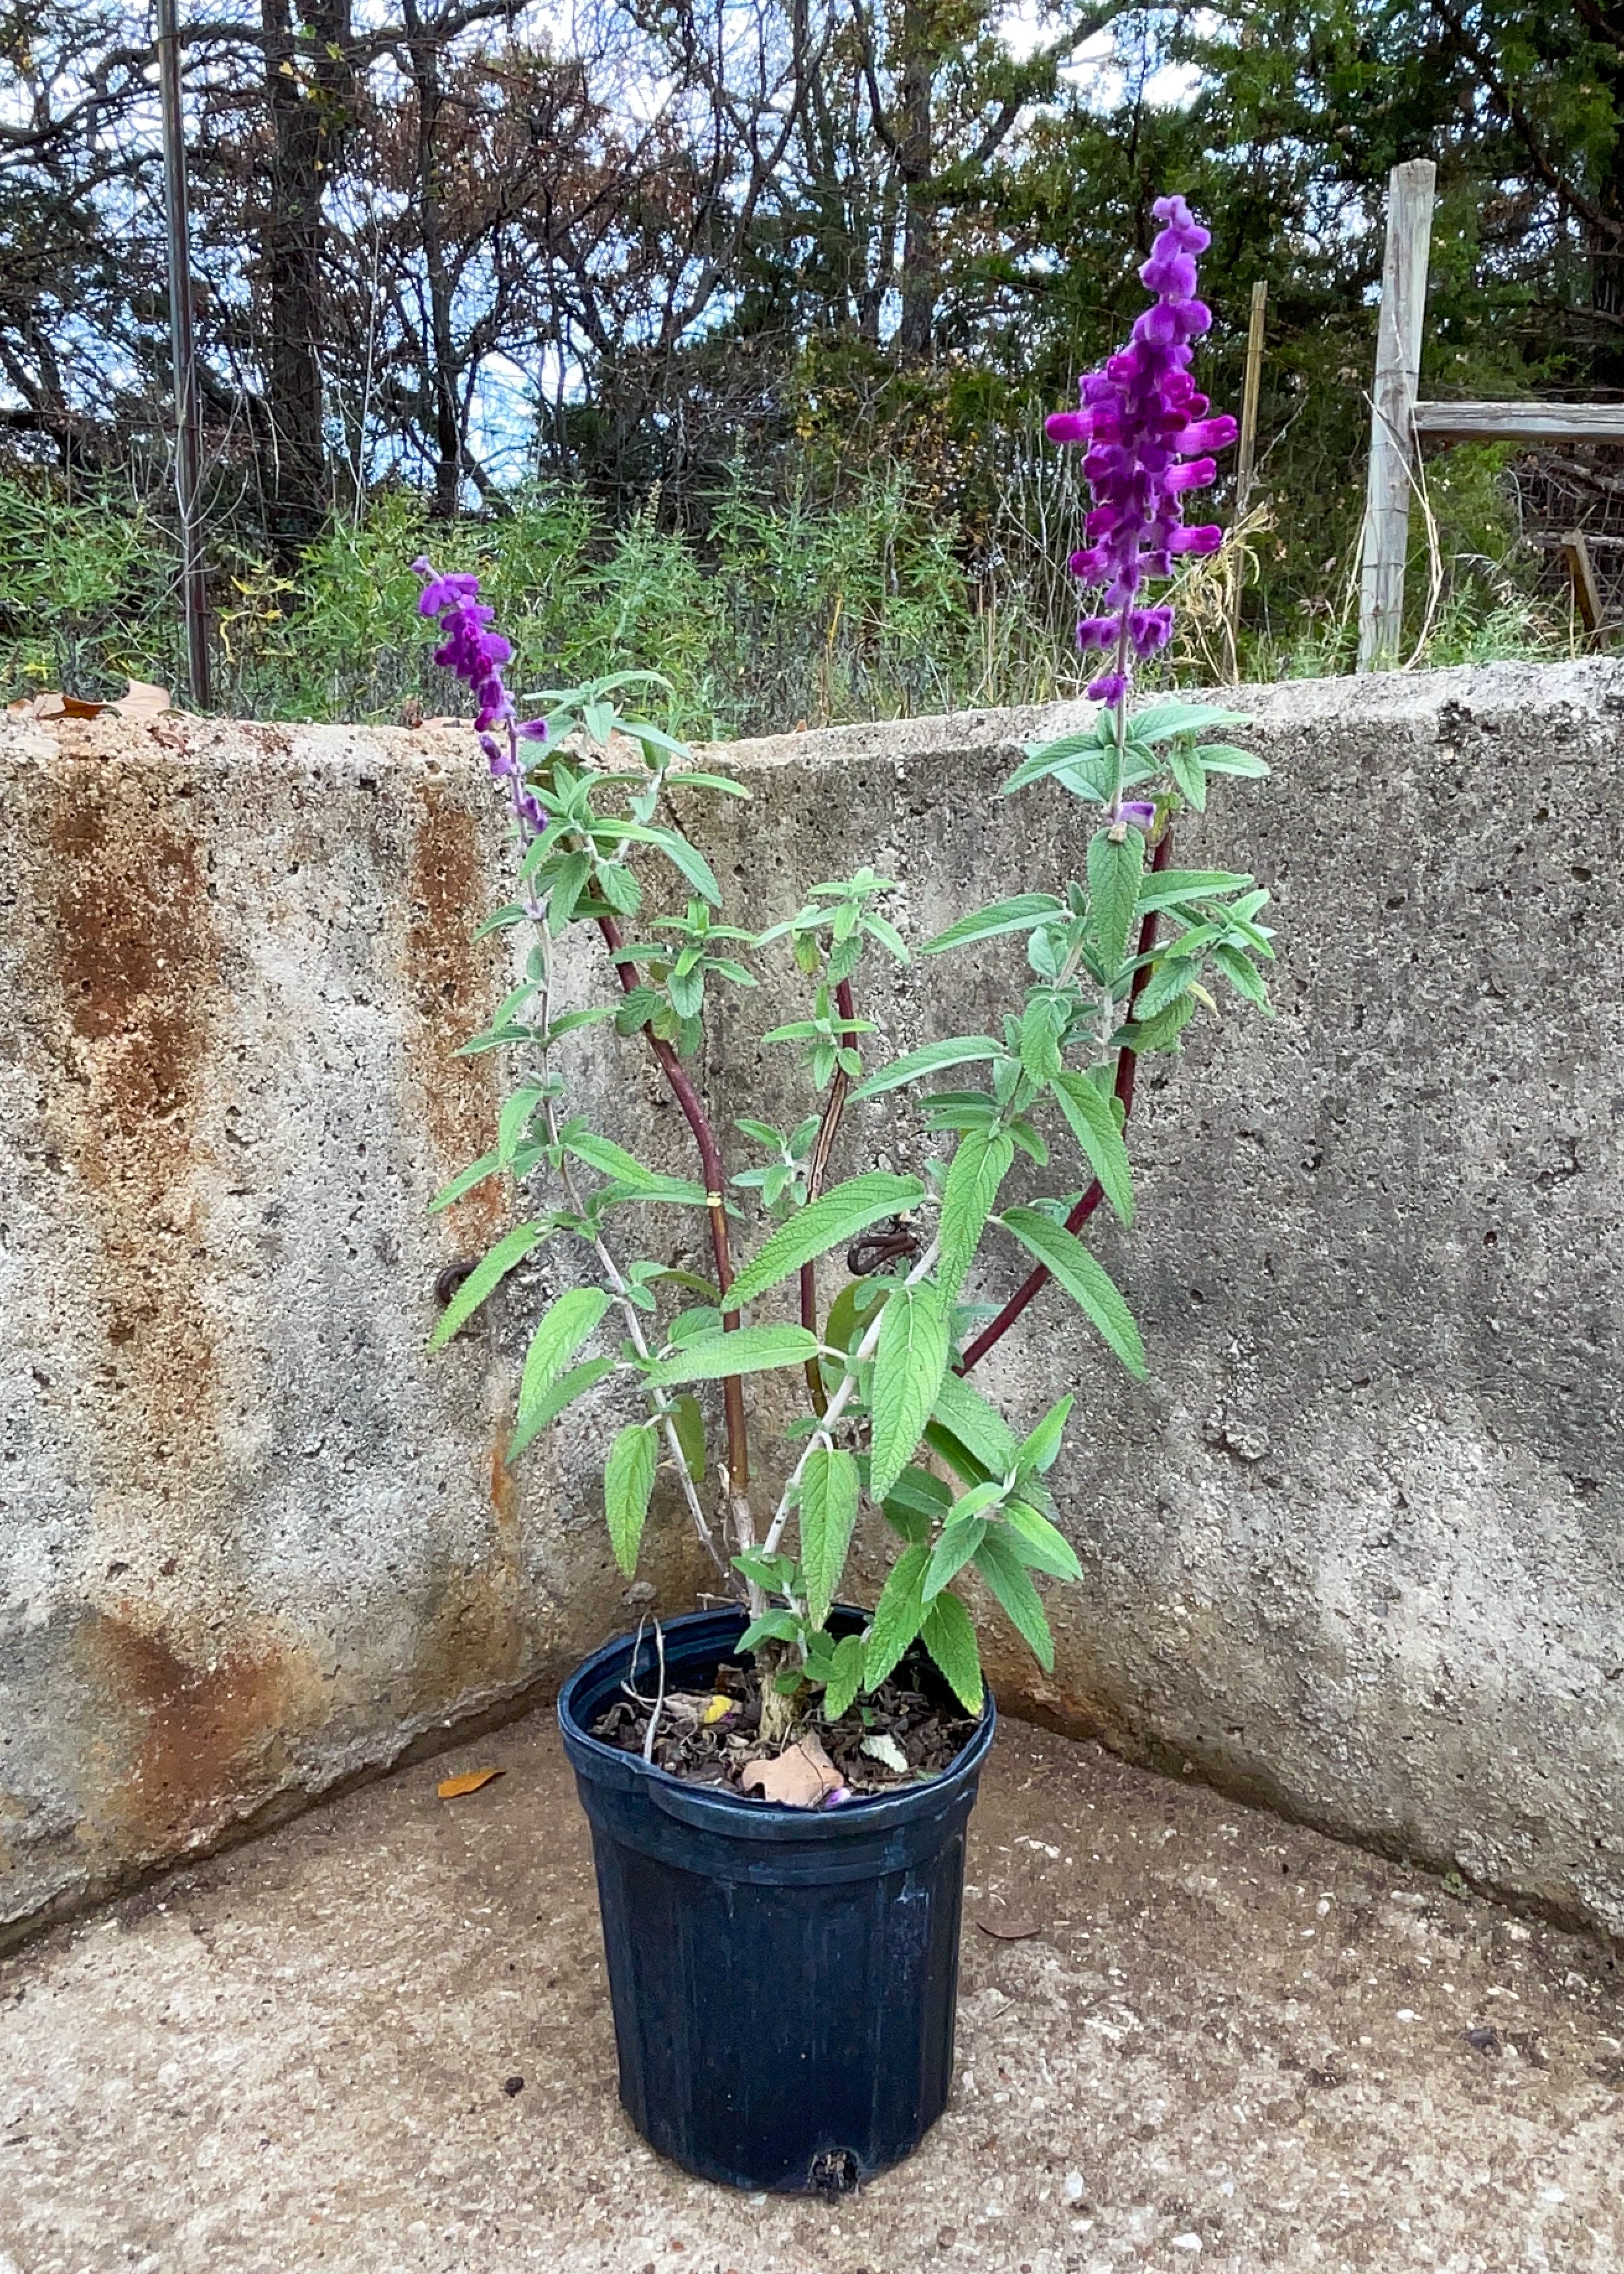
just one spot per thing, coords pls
(716, 1184)
(846, 1008)
(1127, 1061)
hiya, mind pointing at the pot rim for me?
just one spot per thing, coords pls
(719, 1807)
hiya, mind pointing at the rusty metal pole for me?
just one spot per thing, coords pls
(183, 359)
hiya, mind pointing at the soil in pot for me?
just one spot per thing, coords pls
(906, 1731)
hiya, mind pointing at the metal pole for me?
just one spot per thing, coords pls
(1398, 371)
(182, 360)
(1246, 456)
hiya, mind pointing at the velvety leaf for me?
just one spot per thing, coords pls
(1093, 1124)
(948, 1635)
(548, 1404)
(898, 1616)
(563, 1329)
(909, 1362)
(628, 1480)
(829, 1496)
(486, 1275)
(828, 1222)
(1021, 914)
(1011, 1583)
(747, 1350)
(977, 1424)
(845, 1677)
(1038, 1542)
(961, 1050)
(1084, 1279)
(689, 1424)
(953, 1551)
(977, 1170)
(1114, 865)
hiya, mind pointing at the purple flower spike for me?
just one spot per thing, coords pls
(1135, 809)
(478, 656)
(1147, 434)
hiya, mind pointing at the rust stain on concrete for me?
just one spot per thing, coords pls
(134, 965)
(453, 989)
(205, 1739)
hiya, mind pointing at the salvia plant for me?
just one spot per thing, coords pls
(1121, 960)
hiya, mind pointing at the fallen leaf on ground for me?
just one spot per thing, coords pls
(454, 1788)
(887, 1750)
(798, 1777)
(1009, 1926)
(141, 700)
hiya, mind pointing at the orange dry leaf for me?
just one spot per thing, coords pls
(454, 1788)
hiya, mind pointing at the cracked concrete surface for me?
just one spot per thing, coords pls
(1231, 2045)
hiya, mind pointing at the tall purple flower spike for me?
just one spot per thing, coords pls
(1146, 429)
(478, 656)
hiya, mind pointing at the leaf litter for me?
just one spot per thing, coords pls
(899, 1735)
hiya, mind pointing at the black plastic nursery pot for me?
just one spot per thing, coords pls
(782, 1979)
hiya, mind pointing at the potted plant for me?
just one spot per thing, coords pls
(778, 1786)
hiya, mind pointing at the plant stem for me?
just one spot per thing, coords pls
(538, 913)
(716, 1186)
(1126, 1062)
(847, 1006)
(837, 1404)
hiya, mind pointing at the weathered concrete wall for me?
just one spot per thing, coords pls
(1355, 1547)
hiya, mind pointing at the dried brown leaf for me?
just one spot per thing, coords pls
(1009, 1927)
(142, 700)
(800, 1777)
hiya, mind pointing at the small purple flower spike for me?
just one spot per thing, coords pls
(478, 656)
(1147, 434)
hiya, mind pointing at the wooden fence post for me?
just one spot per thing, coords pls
(1398, 370)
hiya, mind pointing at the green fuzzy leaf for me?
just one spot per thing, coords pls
(772, 1626)
(957, 1544)
(1161, 721)
(619, 887)
(962, 1050)
(551, 1402)
(890, 938)
(1087, 1281)
(1021, 914)
(628, 1481)
(718, 782)
(948, 1635)
(1224, 759)
(747, 1350)
(898, 1616)
(1163, 1032)
(1242, 975)
(909, 1362)
(567, 887)
(513, 1121)
(830, 1221)
(829, 1496)
(1114, 865)
(1039, 1451)
(1037, 1541)
(978, 1426)
(979, 1166)
(1011, 1583)
(845, 1677)
(464, 1181)
(1044, 758)
(914, 1503)
(1094, 1125)
(564, 1327)
(515, 913)
(1040, 1051)
(684, 857)
(486, 1275)
(1173, 977)
(690, 1423)
(1191, 781)
(1165, 888)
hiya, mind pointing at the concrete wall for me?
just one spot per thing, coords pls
(1354, 1549)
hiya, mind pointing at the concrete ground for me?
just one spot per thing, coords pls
(1231, 2045)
